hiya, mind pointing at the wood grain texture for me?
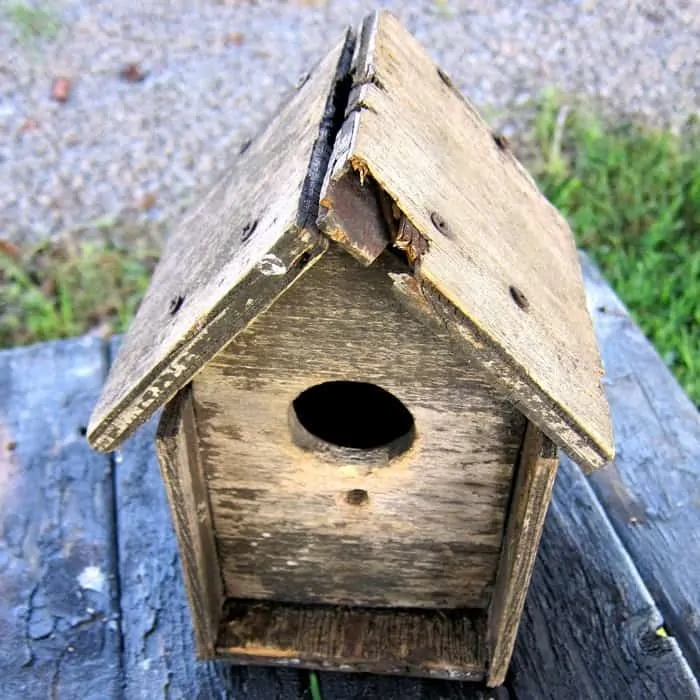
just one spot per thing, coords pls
(532, 492)
(433, 643)
(652, 491)
(242, 246)
(177, 446)
(589, 629)
(491, 237)
(430, 534)
(59, 622)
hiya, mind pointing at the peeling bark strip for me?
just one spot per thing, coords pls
(59, 626)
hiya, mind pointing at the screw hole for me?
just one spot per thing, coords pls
(82, 431)
(175, 304)
(440, 223)
(357, 497)
(519, 298)
(302, 80)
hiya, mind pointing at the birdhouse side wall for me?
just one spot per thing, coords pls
(178, 453)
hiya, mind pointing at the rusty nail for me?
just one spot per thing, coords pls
(175, 304)
(519, 298)
(440, 223)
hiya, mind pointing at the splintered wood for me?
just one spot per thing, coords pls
(498, 259)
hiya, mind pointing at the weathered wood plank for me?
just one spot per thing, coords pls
(241, 247)
(498, 254)
(59, 630)
(177, 446)
(589, 628)
(652, 491)
(284, 528)
(531, 496)
(432, 643)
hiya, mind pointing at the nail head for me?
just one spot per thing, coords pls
(440, 223)
(519, 298)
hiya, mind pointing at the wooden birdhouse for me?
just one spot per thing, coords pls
(369, 338)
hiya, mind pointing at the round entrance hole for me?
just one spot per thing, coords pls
(353, 419)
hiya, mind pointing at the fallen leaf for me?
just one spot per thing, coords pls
(148, 201)
(236, 38)
(132, 73)
(9, 249)
(61, 89)
(48, 287)
(28, 124)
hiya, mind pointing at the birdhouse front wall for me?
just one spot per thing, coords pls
(303, 518)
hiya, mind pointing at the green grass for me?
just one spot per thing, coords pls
(631, 195)
(314, 686)
(632, 198)
(62, 289)
(32, 21)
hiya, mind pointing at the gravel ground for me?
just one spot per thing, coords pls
(215, 69)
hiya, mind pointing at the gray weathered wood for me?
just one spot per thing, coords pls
(532, 492)
(59, 631)
(177, 446)
(589, 629)
(652, 490)
(345, 686)
(158, 639)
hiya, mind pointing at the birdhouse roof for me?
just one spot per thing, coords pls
(377, 149)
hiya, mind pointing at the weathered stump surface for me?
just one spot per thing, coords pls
(91, 597)
(59, 631)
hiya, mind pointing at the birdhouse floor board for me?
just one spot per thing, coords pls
(289, 525)
(437, 643)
